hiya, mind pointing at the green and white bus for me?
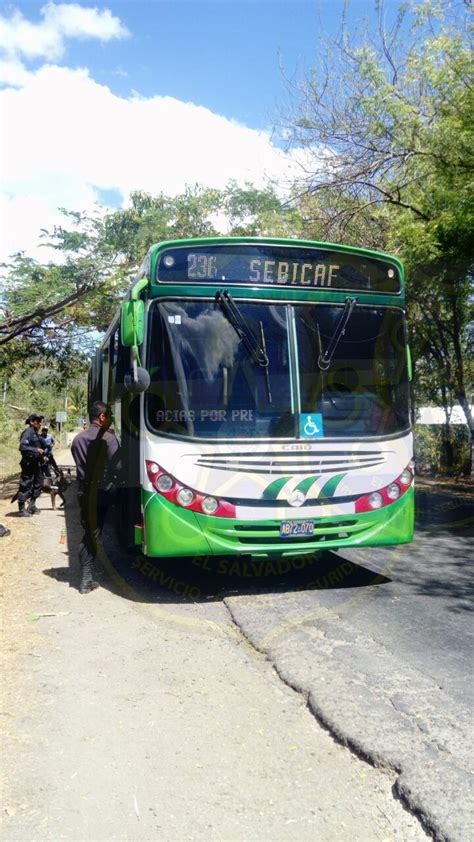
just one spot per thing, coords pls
(260, 390)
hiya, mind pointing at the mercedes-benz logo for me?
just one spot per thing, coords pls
(296, 498)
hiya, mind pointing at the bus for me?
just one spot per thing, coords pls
(260, 392)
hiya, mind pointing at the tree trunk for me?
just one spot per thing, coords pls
(468, 470)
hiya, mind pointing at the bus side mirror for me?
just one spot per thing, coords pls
(137, 381)
(132, 329)
(132, 323)
(409, 365)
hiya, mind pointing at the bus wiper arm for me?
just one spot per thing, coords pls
(324, 359)
(263, 346)
(247, 336)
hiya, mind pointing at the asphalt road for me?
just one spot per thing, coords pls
(416, 599)
(379, 641)
(381, 644)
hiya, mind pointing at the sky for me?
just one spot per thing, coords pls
(99, 99)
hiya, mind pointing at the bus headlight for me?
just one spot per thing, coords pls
(393, 491)
(185, 496)
(164, 482)
(387, 495)
(209, 505)
(375, 500)
(406, 476)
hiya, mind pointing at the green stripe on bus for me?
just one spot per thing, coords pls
(306, 484)
(272, 491)
(330, 486)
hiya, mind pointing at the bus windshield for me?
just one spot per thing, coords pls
(205, 384)
(364, 390)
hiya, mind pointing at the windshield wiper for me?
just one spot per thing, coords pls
(247, 336)
(263, 346)
(324, 359)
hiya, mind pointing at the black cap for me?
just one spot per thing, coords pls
(35, 417)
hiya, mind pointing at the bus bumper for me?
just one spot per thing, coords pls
(171, 530)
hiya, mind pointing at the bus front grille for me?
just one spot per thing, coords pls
(268, 534)
(326, 462)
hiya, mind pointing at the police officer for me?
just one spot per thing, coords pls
(97, 456)
(32, 455)
(49, 460)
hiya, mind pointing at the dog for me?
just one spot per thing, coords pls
(57, 486)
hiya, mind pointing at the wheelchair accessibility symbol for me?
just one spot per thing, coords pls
(311, 425)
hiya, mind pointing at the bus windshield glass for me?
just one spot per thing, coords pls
(205, 383)
(307, 267)
(364, 390)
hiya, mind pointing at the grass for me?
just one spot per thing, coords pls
(9, 456)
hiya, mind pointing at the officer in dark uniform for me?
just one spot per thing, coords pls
(49, 460)
(32, 455)
(96, 453)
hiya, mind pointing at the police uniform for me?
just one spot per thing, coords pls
(49, 461)
(31, 479)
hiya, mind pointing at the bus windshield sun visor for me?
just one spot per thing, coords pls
(325, 358)
(249, 340)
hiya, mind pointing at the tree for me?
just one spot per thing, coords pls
(41, 303)
(385, 122)
(149, 219)
(59, 302)
(52, 313)
(256, 213)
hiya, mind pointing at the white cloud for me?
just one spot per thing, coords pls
(20, 37)
(65, 135)
(13, 73)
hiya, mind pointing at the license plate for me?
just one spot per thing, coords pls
(291, 528)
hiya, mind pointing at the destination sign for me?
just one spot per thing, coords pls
(277, 266)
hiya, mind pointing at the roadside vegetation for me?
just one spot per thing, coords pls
(384, 125)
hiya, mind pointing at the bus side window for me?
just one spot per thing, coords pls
(95, 378)
(113, 356)
(105, 374)
(89, 386)
(119, 363)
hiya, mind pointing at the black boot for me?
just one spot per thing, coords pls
(22, 511)
(33, 508)
(88, 582)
